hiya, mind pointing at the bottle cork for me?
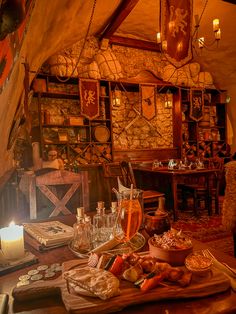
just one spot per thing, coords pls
(80, 212)
(100, 205)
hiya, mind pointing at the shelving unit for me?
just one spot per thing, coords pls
(207, 137)
(79, 140)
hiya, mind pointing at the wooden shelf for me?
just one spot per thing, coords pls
(50, 89)
(196, 131)
(57, 95)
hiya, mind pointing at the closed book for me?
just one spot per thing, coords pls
(50, 233)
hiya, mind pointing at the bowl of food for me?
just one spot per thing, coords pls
(171, 247)
(198, 263)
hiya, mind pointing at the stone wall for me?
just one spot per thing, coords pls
(131, 131)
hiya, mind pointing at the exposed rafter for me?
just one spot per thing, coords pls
(135, 43)
(120, 14)
(230, 1)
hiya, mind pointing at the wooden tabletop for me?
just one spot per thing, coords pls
(219, 303)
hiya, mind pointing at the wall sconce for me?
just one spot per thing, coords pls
(168, 99)
(158, 37)
(116, 96)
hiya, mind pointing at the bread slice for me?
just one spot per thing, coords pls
(99, 282)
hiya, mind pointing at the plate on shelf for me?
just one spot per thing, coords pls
(134, 245)
(101, 133)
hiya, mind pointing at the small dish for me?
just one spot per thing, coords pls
(198, 263)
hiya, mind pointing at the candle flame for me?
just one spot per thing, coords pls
(11, 223)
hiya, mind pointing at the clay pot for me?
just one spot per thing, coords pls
(156, 224)
(175, 257)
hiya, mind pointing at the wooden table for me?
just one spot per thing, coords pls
(168, 180)
(221, 303)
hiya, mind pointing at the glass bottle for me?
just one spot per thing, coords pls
(81, 242)
(89, 229)
(111, 220)
(130, 214)
(99, 223)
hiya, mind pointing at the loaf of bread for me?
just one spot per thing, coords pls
(99, 282)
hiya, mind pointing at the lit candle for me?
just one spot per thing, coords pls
(218, 35)
(216, 25)
(12, 241)
(116, 97)
(201, 41)
(158, 38)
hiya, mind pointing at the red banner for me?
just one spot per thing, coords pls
(196, 104)
(89, 98)
(10, 46)
(148, 101)
(176, 27)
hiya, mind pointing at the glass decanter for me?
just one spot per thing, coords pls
(130, 214)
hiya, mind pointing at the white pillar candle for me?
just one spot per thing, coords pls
(12, 241)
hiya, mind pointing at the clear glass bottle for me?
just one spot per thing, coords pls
(99, 222)
(89, 230)
(81, 241)
(111, 220)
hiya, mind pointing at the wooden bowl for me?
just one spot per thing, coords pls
(198, 264)
(174, 257)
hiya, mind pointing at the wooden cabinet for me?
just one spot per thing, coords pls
(206, 137)
(79, 140)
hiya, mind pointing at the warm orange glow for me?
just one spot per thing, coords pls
(158, 37)
(171, 26)
(218, 34)
(180, 46)
(201, 42)
(164, 45)
(216, 25)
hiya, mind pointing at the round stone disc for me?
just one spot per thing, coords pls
(49, 274)
(36, 277)
(24, 277)
(22, 283)
(33, 272)
(42, 267)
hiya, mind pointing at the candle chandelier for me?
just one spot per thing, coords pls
(195, 40)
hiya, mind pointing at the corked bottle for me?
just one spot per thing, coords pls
(81, 242)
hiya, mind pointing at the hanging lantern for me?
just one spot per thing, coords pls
(116, 96)
(168, 100)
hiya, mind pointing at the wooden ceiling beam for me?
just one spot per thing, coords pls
(120, 14)
(135, 43)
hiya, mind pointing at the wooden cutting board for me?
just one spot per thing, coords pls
(213, 282)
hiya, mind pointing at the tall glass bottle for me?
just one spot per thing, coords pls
(111, 220)
(89, 230)
(99, 223)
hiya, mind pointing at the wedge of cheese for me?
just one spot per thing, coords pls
(98, 282)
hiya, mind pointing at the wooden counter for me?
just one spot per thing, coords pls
(215, 304)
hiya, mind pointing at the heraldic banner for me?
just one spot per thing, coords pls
(89, 98)
(196, 104)
(148, 101)
(176, 27)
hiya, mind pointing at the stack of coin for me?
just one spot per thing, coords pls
(39, 274)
